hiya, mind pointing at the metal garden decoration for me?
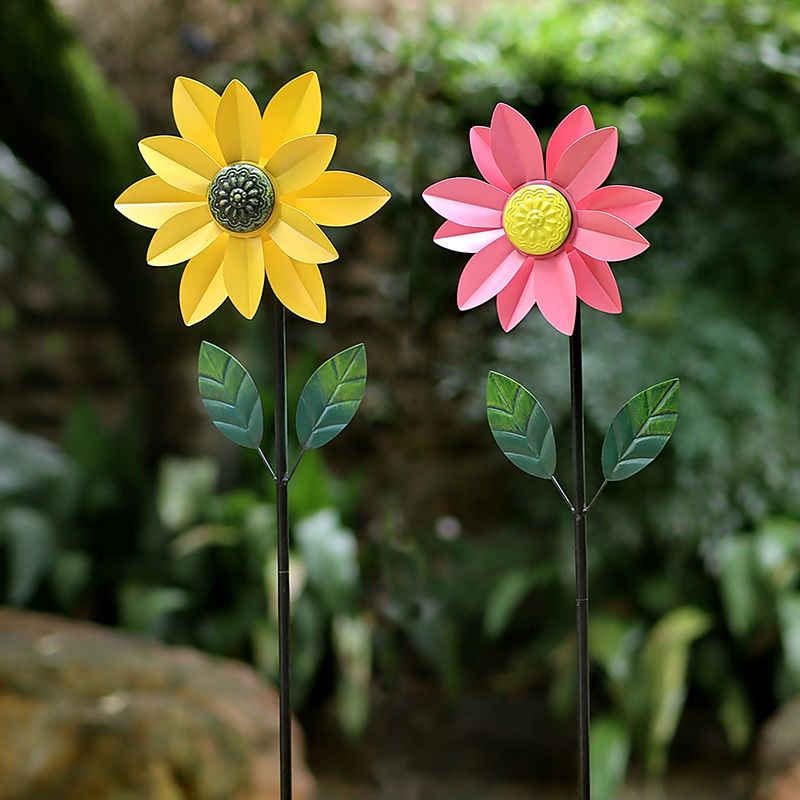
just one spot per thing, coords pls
(541, 231)
(241, 196)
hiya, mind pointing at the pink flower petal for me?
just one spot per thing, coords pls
(554, 286)
(628, 203)
(576, 124)
(517, 299)
(606, 237)
(464, 239)
(467, 201)
(595, 283)
(487, 273)
(586, 163)
(480, 143)
(516, 147)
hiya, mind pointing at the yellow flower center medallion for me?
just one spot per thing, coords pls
(537, 219)
(241, 198)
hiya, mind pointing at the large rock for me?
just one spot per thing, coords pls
(88, 713)
(779, 754)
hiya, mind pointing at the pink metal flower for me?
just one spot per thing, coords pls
(541, 230)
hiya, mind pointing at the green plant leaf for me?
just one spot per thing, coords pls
(70, 577)
(352, 644)
(331, 397)
(201, 536)
(736, 715)
(613, 642)
(144, 608)
(230, 396)
(330, 553)
(788, 608)
(740, 586)
(508, 593)
(664, 662)
(182, 486)
(640, 430)
(520, 426)
(611, 749)
(777, 552)
(309, 643)
(32, 544)
(32, 470)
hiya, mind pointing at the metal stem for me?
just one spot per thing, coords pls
(267, 464)
(563, 494)
(581, 572)
(296, 464)
(281, 458)
(594, 499)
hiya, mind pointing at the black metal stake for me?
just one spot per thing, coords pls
(581, 572)
(281, 466)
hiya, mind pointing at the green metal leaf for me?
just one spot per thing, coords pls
(331, 397)
(640, 430)
(230, 396)
(520, 426)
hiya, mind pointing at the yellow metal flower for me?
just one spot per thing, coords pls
(242, 196)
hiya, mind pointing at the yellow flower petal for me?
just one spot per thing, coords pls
(202, 286)
(300, 238)
(243, 270)
(182, 237)
(295, 110)
(339, 198)
(151, 202)
(194, 107)
(238, 124)
(179, 162)
(301, 161)
(297, 285)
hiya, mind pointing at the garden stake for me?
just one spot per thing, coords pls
(282, 511)
(542, 232)
(241, 197)
(581, 572)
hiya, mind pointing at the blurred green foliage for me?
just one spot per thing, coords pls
(37, 494)
(224, 548)
(83, 533)
(706, 96)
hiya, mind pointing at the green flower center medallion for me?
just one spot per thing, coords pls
(241, 198)
(537, 219)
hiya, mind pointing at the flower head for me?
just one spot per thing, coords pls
(241, 196)
(541, 231)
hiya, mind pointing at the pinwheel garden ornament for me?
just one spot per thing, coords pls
(542, 231)
(241, 196)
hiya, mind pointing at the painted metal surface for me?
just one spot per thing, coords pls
(230, 396)
(520, 426)
(331, 397)
(640, 430)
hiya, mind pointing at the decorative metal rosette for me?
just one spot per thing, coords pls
(241, 198)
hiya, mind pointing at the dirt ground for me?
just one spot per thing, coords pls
(485, 747)
(692, 786)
